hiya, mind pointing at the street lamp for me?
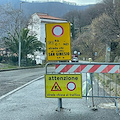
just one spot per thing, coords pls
(19, 58)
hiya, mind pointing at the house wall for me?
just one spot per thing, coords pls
(35, 26)
(43, 36)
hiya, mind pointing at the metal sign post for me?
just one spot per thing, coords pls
(59, 104)
(63, 86)
(58, 46)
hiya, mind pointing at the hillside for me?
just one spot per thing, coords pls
(52, 8)
(56, 9)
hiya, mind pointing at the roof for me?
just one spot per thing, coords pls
(46, 16)
(1, 49)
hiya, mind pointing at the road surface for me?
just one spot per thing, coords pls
(30, 103)
(10, 80)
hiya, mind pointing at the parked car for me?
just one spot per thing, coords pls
(75, 59)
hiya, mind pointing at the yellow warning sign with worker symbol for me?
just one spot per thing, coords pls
(56, 87)
(63, 85)
(58, 42)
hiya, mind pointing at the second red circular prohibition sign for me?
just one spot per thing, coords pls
(71, 86)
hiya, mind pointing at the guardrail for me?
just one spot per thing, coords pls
(104, 75)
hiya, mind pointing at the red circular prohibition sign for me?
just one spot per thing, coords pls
(57, 30)
(71, 86)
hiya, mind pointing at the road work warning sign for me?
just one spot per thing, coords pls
(63, 85)
(58, 43)
(56, 87)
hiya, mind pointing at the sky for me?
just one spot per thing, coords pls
(78, 2)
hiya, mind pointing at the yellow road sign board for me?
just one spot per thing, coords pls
(63, 85)
(58, 42)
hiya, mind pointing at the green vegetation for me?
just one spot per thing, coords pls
(29, 44)
(6, 66)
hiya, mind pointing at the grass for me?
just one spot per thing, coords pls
(7, 66)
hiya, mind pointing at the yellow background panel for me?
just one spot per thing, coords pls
(57, 86)
(58, 48)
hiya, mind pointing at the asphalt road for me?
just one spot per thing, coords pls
(73, 108)
(10, 80)
(30, 103)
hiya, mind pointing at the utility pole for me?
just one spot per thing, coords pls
(108, 49)
(19, 57)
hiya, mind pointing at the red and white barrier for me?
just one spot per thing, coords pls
(87, 68)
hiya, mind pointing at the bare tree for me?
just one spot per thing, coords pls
(103, 28)
(88, 45)
(82, 18)
(112, 9)
(9, 20)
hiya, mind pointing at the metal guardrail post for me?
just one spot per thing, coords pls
(116, 94)
(86, 87)
(116, 105)
(91, 77)
(98, 84)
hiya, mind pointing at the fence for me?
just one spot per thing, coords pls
(105, 77)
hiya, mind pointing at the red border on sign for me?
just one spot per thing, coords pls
(72, 89)
(54, 86)
(54, 33)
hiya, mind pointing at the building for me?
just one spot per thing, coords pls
(37, 26)
(4, 52)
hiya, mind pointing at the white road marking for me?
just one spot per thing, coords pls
(15, 90)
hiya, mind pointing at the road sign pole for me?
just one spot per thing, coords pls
(58, 45)
(59, 104)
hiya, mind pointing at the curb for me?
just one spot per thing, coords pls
(19, 68)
